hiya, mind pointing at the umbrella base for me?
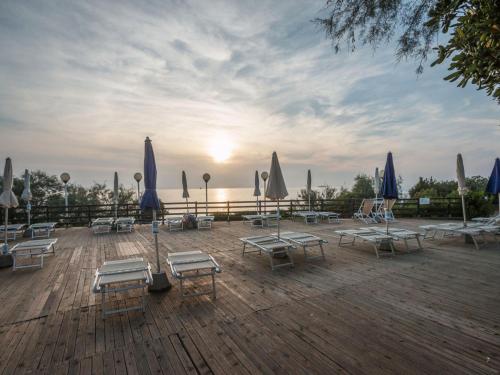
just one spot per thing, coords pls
(5, 260)
(160, 282)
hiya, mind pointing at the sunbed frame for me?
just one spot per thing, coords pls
(204, 221)
(42, 230)
(376, 239)
(400, 234)
(30, 249)
(310, 217)
(12, 230)
(305, 240)
(271, 246)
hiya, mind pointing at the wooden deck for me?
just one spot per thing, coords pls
(435, 311)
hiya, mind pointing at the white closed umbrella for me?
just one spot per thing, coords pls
(185, 193)
(26, 195)
(462, 188)
(7, 198)
(308, 188)
(115, 194)
(276, 189)
(256, 190)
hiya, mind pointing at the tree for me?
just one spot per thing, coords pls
(471, 28)
(363, 187)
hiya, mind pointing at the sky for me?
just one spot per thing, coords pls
(218, 86)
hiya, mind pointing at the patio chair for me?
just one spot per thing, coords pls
(271, 246)
(365, 210)
(32, 249)
(121, 276)
(375, 238)
(193, 265)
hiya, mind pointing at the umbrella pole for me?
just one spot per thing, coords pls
(499, 203)
(309, 196)
(6, 246)
(278, 211)
(206, 198)
(187, 206)
(463, 210)
(156, 246)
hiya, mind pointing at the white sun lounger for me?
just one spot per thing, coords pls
(175, 223)
(305, 240)
(254, 220)
(102, 225)
(476, 231)
(117, 276)
(13, 230)
(271, 246)
(193, 265)
(400, 234)
(204, 221)
(376, 239)
(30, 249)
(310, 217)
(331, 217)
(124, 224)
(42, 230)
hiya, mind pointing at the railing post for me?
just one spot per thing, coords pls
(418, 207)
(291, 207)
(89, 215)
(47, 213)
(196, 208)
(322, 205)
(228, 211)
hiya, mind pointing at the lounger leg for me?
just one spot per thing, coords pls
(305, 252)
(13, 262)
(41, 261)
(244, 246)
(406, 244)
(182, 289)
(322, 251)
(103, 306)
(271, 260)
(476, 245)
(213, 286)
(391, 244)
(419, 243)
(143, 298)
(376, 249)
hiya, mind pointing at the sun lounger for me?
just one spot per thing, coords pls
(254, 220)
(310, 217)
(102, 225)
(270, 220)
(475, 231)
(42, 230)
(305, 240)
(32, 249)
(365, 211)
(375, 238)
(271, 246)
(175, 223)
(204, 221)
(13, 230)
(400, 234)
(193, 265)
(124, 224)
(121, 276)
(331, 217)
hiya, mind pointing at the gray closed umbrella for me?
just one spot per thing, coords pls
(7, 198)
(26, 195)
(115, 194)
(276, 188)
(462, 188)
(377, 183)
(185, 193)
(256, 190)
(309, 182)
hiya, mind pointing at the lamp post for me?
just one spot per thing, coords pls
(264, 175)
(206, 178)
(65, 179)
(138, 178)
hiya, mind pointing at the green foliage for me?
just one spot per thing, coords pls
(316, 196)
(363, 187)
(473, 26)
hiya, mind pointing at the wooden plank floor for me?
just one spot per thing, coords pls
(431, 312)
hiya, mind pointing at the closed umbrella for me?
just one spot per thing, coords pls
(462, 188)
(256, 190)
(185, 193)
(309, 182)
(276, 188)
(26, 195)
(150, 201)
(7, 198)
(389, 189)
(115, 194)
(377, 183)
(493, 186)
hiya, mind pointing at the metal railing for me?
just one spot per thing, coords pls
(230, 210)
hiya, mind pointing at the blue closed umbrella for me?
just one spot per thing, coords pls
(150, 198)
(493, 186)
(389, 189)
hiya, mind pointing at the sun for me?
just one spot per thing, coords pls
(221, 148)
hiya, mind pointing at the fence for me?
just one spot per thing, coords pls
(231, 210)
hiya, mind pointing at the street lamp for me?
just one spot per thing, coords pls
(264, 176)
(138, 178)
(206, 178)
(65, 179)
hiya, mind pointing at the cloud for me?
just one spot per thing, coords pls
(83, 83)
